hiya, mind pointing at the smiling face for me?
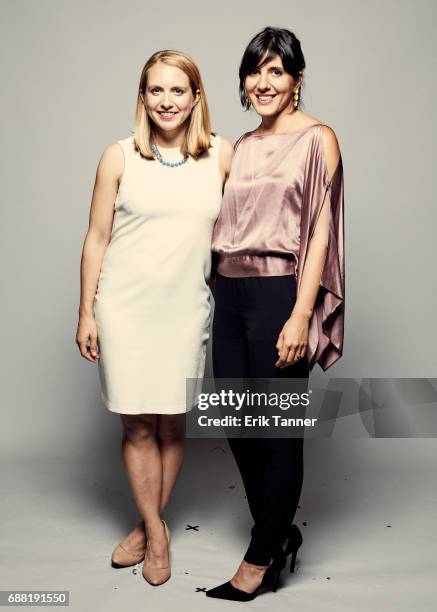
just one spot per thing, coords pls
(168, 97)
(269, 88)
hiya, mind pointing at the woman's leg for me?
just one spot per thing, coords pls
(279, 472)
(231, 360)
(230, 357)
(273, 481)
(142, 460)
(171, 439)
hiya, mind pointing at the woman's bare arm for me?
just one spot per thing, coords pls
(293, 339)
(226, 153)
(108, 176)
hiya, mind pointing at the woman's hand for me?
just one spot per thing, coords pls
(86, 338)
(293, 340)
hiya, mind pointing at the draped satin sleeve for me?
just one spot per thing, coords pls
(326, 327)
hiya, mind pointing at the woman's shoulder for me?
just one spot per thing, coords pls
(115, 150)
(241, 139)
(114, 156)
(329, 143)
(221, 145)
(326, 131)
(219, 141)
(119, 148)
(327, 147)
(128, 148)
(307, 121)
(111, 161)
(127, 143)
(326, 134)
(329, 137)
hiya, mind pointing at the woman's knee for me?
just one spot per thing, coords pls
(139, 428)
(171, 428)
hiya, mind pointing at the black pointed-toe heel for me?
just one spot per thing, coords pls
(274, 575)
(228, 591)
(294, 543)
(271, 577)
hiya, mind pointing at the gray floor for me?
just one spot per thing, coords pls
(369, 508)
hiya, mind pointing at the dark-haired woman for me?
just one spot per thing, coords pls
(279, 295)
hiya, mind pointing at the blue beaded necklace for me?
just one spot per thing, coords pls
(162, 161)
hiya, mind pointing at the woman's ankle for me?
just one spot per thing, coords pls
(155, 529)
(254, 566)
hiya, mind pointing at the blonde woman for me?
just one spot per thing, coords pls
(144, 305)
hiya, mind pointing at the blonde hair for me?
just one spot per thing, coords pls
(197, 135)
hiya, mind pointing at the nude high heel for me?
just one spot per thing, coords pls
(158, 575)
(122, 557)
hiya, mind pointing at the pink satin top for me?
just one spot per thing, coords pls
(271, 202)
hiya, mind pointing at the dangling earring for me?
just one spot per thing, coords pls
(296, 97)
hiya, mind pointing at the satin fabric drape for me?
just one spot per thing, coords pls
(272, 200)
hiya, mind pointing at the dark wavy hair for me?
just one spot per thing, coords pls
(273, 41)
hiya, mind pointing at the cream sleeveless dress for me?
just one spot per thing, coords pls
(152, 301)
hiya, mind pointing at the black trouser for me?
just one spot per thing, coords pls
(249, 315)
